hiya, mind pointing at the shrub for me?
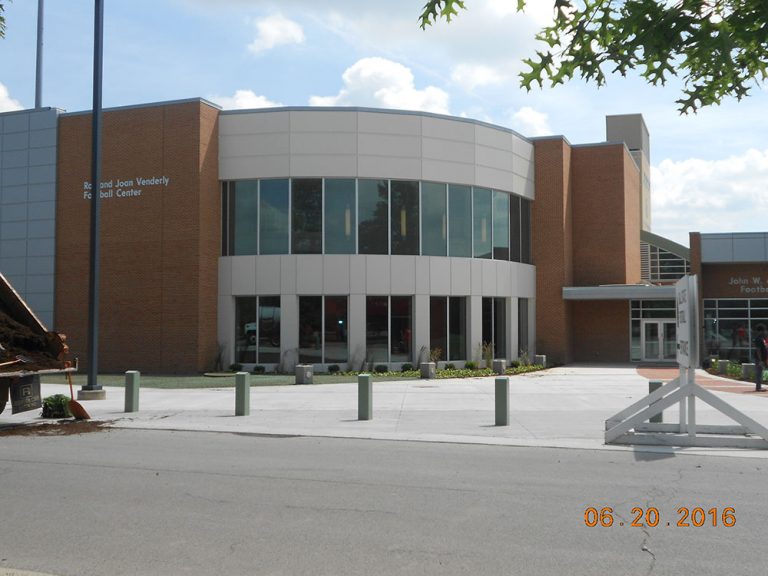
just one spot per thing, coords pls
(470, 365)
(435, 354)
(235, 367)
(56, 406)
(381, 368)
(407, 367)
(333, 369)
(450, 366)
(514, 363)
(259, 369)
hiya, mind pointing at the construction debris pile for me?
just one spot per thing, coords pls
(23, 349)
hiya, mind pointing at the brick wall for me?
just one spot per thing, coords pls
(158, 248)
(601, 331)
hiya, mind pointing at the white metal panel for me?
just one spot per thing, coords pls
(323, 143)
(394, 145)
(317, 165)
(389, 123)
(253, 123)
(336, 271)
(377, 275)
(489, 277)
(288, 275)
(717, 248)
(476, 276)
(448, 150)
(323, 121)
(268, 275)
(447, 128)
(444, 171)
(496, 179)
(440, 276)
(309, 274)
(248, 145)
(243, 275)
(403, 275)
(503, 278)
(461, 282)
(247, 167)
(384, 167)
(422, 275)
(357, 274)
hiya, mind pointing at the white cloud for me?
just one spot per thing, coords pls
(383, 83)
(8, 104)
(470, 76)
(530, 122)
(275, 31)
(243, 99)
(696, 195)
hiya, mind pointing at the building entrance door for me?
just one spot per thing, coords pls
(659, 340)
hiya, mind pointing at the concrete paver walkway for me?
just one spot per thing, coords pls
(560, 407)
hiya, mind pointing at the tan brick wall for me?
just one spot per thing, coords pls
(158, 262)
(601, 331)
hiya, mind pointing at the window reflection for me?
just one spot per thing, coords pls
(481, 216)
(373, 229)
(460, 221)
(306, 215)
(245, 216)
(434, 219)
(340, 216)
(273, 217)
(405, 217)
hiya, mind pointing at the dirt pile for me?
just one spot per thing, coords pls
(21, 340)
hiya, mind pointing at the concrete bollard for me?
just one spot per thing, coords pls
(304, 374)
(502, 401)
(364, 397)
(132, 385)
(428, 370)
(654, 385)
(242, 394)
(722, 366)
(500, 366)
(540, 360)
(748, 372)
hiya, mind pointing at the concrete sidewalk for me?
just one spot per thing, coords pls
(561, 407)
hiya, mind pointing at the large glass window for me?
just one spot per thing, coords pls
(246, 333)
(336, 324)
(306, 216)
(514, 228)
(401, 322)
(405, 217)
(438, 326)
(323, 329)
(310, 329)
(525, 231)
(481, 216)
(434, 219)
(457, 321)
(273, 217)
(340, 216)
(373, 227)
(459, 221)
(501, 225)
(244, 218)
(522, 327)
(257, 336)
(495, 326)
(269, 330)
(377, 328)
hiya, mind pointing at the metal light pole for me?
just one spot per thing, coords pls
(39, 63)
(93, 292)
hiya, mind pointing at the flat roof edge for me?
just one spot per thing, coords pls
(148, 105)
(629, 292)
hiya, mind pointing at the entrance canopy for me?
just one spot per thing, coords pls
(619, 292)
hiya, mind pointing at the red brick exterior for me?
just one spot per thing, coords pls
(586, 233)
(159, 249)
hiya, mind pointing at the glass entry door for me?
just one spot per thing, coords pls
(659, 340)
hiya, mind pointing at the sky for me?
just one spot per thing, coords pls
(709, 170)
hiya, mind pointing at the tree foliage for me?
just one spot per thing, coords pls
(2, 20)
(718, 47)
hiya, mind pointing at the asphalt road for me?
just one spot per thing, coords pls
(164, 503)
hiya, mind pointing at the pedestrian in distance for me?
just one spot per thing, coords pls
(761, 356)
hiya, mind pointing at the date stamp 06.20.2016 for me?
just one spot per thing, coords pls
(650, 517)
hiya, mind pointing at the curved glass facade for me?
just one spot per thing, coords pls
(368, 216)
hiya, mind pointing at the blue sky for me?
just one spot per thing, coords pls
(710, 169)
